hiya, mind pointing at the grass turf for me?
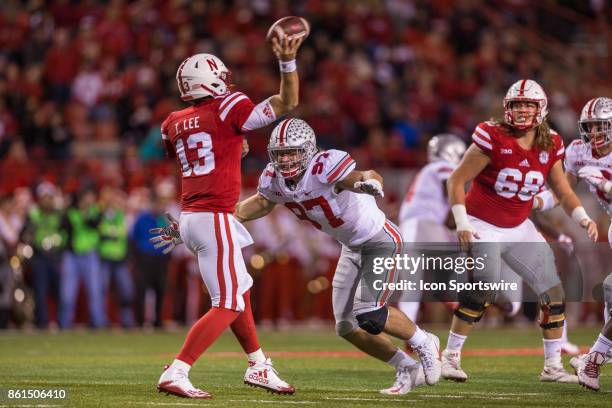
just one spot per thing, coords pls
(121, 369)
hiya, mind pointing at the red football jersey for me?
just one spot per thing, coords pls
(206, 140)
(502, 193)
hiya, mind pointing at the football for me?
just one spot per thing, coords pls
(292, 26)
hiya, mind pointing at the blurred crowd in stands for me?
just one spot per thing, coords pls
(84, 86)
(87, 258)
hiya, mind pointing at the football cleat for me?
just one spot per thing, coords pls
(406, 379)
(264, 375)
(570, 349)
(587, 368)
(429, 354)
(451, 366)
(176, 382)
(553, 371)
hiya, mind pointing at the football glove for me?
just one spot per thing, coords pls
(371, 187)
(166, 238)
(593, 176)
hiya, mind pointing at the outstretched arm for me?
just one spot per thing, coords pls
(256, 206)
(366, 182)
(288, 95)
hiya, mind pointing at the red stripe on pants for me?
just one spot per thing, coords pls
(220, 276)
(398, 244)
(232, 267)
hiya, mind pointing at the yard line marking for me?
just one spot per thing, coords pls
(276, 401)
(483, 352)
(504, 394)
(368, 399)
(162, 403)
(464, 396)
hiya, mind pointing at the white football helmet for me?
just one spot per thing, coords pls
(291, 147)
(203, 75)
(526, 90)
(595, 124)
(447, 147)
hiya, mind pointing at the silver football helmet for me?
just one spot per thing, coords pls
(595, 124)
(291, 147)
(447, 147)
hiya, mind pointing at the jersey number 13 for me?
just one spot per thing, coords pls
(204, 163)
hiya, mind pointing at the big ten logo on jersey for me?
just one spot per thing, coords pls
(511, 182)
(187, 124)
(318, 167)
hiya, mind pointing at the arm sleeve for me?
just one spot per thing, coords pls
(234, 111)
(261, 116)
(337, 164)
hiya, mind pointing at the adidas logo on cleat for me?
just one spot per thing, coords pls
(260, 377)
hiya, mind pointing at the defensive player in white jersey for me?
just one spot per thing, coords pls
(507, 164)
(324, 189)
(425, 208)
(590, 159)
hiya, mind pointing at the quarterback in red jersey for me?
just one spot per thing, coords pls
(508, 163)
(207, 141)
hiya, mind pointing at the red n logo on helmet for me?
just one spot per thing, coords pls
(522, 88)
(212, 64)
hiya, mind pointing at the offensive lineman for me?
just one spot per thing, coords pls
(206, 139)
(590, 159)
(508, 163)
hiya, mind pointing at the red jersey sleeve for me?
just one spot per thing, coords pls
(483, 137)
(559, 150)
(168, 146)
(235, 109)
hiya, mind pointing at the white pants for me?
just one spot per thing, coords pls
(522, 248)
(217, 240)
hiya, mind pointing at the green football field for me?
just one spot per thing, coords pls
(121, 369)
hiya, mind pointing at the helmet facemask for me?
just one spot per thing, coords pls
(289, 162)
(596, 132)
(512, 114)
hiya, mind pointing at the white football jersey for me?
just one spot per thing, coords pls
(426, 198)
(349, 217)
(577, 155)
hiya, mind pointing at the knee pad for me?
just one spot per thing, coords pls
(344, 327)
(552, 309)
(471, 312)
(472, 305)
(373, 321)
